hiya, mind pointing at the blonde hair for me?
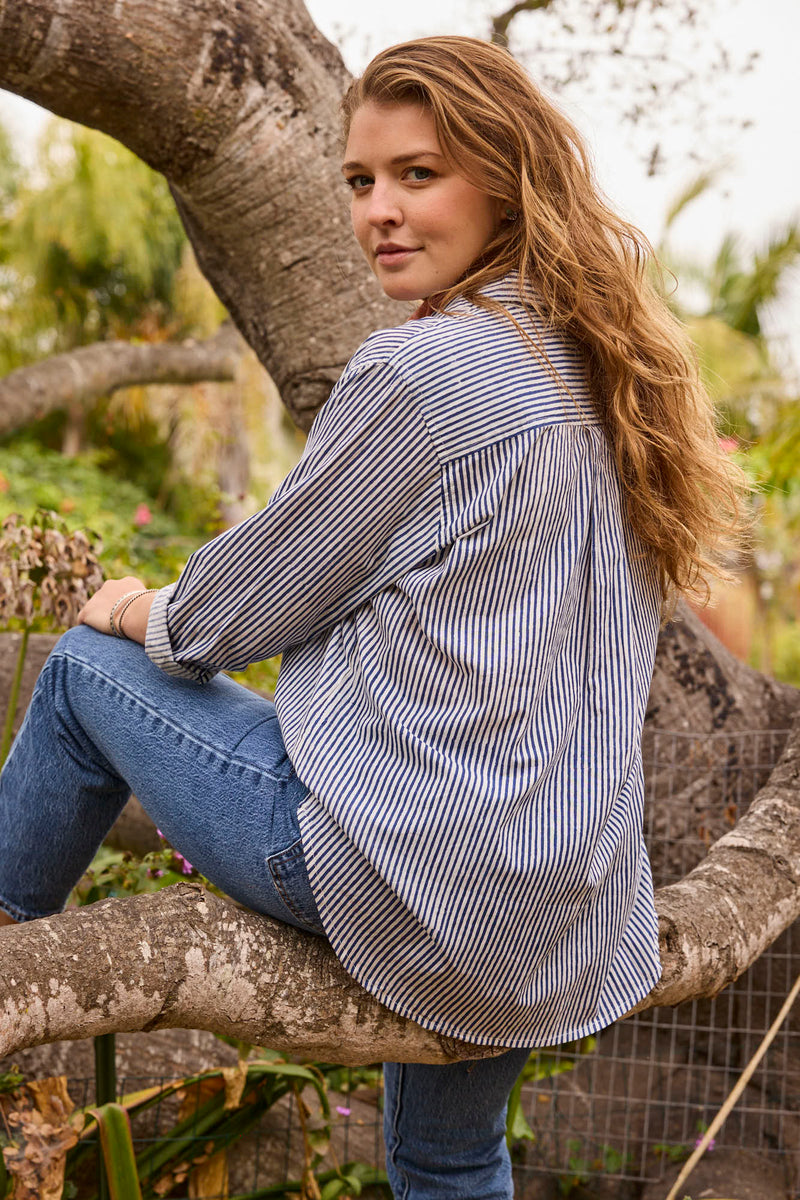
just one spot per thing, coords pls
(588, 272)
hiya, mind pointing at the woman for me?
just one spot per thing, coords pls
(465, 575)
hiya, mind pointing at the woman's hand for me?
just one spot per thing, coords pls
(97, 610)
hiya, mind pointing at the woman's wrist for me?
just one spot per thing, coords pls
(134, 611)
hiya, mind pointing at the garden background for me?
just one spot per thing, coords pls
(694, 131)
(91, 249)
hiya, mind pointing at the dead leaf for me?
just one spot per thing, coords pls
(235, 1080)
(42, 1133)
(210, 1178)
(195, 1096)
(51, 1097)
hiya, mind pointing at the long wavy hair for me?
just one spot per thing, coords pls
(588, 273)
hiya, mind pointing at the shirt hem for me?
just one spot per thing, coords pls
(530, 1041)
(443, 1027)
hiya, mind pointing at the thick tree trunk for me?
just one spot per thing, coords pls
(699, 687)
(237, 105)
(81, 376)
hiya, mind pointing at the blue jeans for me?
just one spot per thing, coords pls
(209, 765)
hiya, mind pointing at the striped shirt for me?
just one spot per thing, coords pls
(468, 627)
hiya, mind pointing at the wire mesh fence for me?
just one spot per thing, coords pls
(624, 1106)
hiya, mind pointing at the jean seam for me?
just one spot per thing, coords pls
(279, 886)
(21, 914)
(401, 1174)
(247, 732)
(154, 712)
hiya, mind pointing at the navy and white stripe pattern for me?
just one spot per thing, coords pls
(468, 628)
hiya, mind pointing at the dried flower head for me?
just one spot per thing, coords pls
(45, 570)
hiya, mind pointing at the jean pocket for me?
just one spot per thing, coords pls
(289, 874)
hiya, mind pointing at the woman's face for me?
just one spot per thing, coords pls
(419, 223)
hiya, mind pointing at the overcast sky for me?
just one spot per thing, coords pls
(759, 188)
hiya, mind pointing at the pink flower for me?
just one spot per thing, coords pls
(710, 1146)
(142, 516)
(342, 1111)
(179, 861)
(728, 445)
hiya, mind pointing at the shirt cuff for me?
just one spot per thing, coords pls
(158, 646)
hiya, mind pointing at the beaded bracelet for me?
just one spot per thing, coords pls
(126, 601)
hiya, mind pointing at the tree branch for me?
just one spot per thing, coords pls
(724, 914)
(237, 105)
(194, 961)
(501, 22)
(84, 375)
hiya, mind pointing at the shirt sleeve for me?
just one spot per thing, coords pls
(361, 507)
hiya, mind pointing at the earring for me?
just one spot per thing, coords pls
(511, 214)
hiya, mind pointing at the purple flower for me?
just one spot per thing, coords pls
(710, 1145)
(342, 1111)
(179, 861)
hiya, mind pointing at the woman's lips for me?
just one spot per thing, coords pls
(390, 256)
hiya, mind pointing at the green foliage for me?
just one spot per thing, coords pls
(10, 173)
(772, 460)
(89, 497)
(761, 417)
(542, 1064)
(10, 1080)
(785, 651)
(91, 246)
(742, 291)
(261, 676)
(118, 1155)
(348, 1079)
(82, 489)
(607, 1160)
(672, 1152)
(121, 873)
(210, 1121)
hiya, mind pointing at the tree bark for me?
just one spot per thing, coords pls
(81, 376)
(236, 103)
(699, 687)
(195, 961)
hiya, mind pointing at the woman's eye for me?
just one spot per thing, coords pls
(357, 182)
(419, 174)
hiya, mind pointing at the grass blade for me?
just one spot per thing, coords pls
(120, 1162)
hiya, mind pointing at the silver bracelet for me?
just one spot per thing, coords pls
(125, 601)
(112, 627)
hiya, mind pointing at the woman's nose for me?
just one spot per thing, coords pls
(383, 207)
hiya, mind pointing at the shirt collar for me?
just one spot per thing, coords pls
(504, 289)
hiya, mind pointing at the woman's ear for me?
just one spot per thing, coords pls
(505, 212)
